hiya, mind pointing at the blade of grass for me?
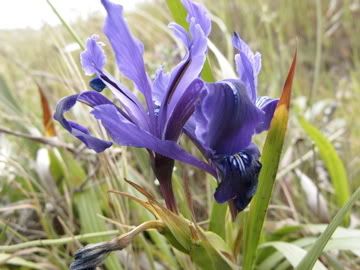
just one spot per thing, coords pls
(315, 251)
(67, 26)
(332, 162)
(270, 161)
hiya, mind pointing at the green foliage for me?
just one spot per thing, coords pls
(270, 161)
(315, 251)
(332, 161)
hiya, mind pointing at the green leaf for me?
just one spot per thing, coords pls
(179, 14)
(291, 252)
(332, 162)
(87, 202)
(309, 260)
(217, 219)
(270, 161)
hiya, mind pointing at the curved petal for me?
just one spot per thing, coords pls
(248, 66)
(160, 84)
(183, 110)
(185, 72)
(226, 119)
(268, 106)
(93, 59)
(128, 50)
(91, 98)
(238, 176)
(126, 133)
(199, 14)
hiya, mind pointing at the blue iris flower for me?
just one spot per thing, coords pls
(170, 97)
(224, 123)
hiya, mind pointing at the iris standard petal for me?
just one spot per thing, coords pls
(160, 84)
(128, 50)
(183, 110)
(238, 176)
(226, 119)
(268, 106)
(248, 66)
(184, 73)
(126, 133)
(93, 58)
(199, 14)
(91, 98)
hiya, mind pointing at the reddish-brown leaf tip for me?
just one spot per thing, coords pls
(286, 92)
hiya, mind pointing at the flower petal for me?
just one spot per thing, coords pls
(183, 110)
(238, 176)
(93, 59)
(199, 14)
(185, 72)
(248, 66)
(268, 106)
(126, 133)
(128, 50)
(160, 84)
(226, 119)
(91, 98)
(89, 59)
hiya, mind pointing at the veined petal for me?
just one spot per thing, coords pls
(248, 66)
(93, 59)
(91, 98)
(90, 60)
(268, 106)
(184, 73)
(238, 176)
(226, 119)
(160, 84)
(128, 50)
(183, 110)
(199, 14)
(126, 133)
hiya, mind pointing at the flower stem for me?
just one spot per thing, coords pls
(163, 168)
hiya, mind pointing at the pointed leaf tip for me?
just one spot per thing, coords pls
(286, 93)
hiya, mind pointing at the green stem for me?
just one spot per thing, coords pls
(55, 242)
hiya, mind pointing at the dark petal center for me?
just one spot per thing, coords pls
(238, 177)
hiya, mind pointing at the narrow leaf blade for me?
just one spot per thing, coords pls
(270, 161)
(332, 162)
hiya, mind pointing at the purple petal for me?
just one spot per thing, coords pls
(126, 133)
(268, 106)
(185, 72)
(92, 63)
(183, 110)
(199, 14)
(238, 176)
(226, 119)
(160, 84)
(92, 98)
(128, 50)
(93, 58)
(248, 66)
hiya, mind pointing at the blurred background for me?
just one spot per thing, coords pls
(51, 186)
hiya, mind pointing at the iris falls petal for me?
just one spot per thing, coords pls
(91, 98)
(126, 133)
(238, 177)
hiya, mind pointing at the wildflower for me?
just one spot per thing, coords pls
(170, 98)
(224, 122)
